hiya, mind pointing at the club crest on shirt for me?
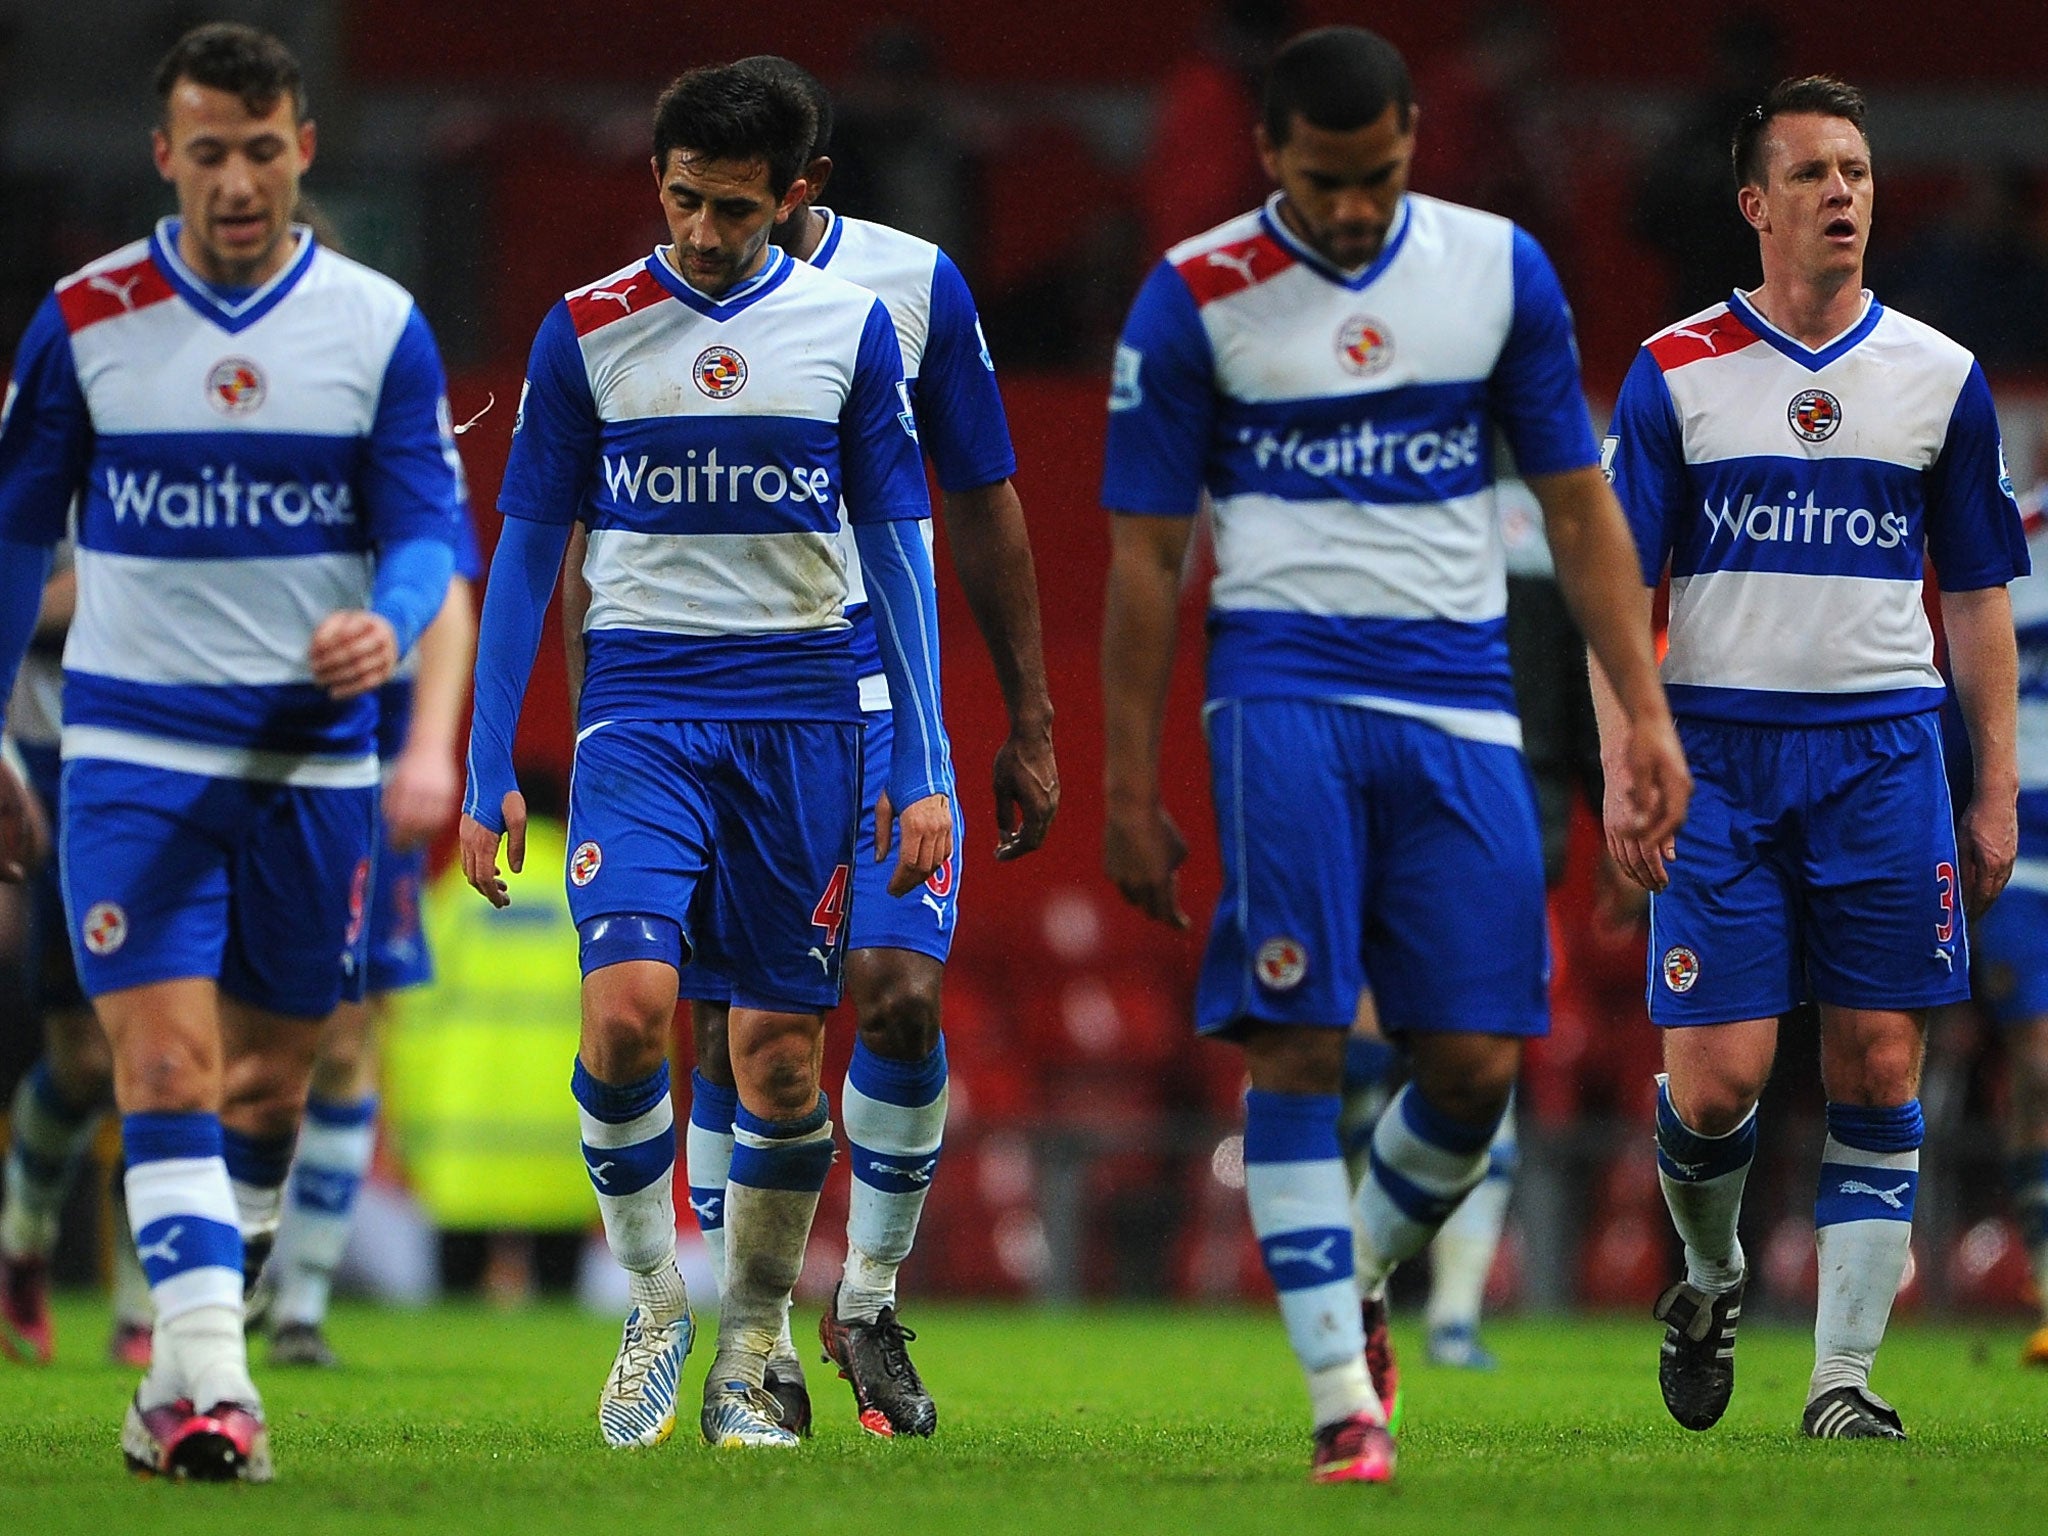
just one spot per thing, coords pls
(720, 372)
(1814, 414)
(1365, 346)
(584, 863)
(1681, 968)
(1281, 964)
(105, 928)
(235, 386)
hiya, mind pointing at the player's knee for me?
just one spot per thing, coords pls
(1716, 1103)
(898, 1016)
(709, 1024)
(81, 1062)
(169, 1076)
(1467, 1078)
(1476, 1101)
(781, 1074)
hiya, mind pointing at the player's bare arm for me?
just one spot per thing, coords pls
(575, 608)
(992, 556)
(1984, 659)
(1142, 848)
(1598, 572)
(353, 652)
(426, 785)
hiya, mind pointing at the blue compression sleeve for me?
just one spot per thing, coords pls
(904, 598)
(523, 571)
(411, 585)
(23, 570)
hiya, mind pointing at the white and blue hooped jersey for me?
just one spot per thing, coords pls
(1797, 494)
(952, 378)
(2030, 624)
(708, 444)
(237, 460)
(1343, 427)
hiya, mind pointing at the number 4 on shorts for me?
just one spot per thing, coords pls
(830, 911)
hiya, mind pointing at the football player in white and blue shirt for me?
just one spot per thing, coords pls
(256, 431)
(705, 411)
(1798, 457)
(2009, 944)
(894, 1107)
(1330, 371)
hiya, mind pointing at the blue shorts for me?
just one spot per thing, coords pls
(56, 974)
(1816, 862)
(1364, 849)
(262, 887)
(2010, 947)
(920, 920)
(740, 833)
(399, 956)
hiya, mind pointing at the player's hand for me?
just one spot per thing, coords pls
(1142, 851)
(423, 794)
(1648, 792)
(480, 850)
(24, 839)
(353, 652)
(1027, 793)
(927, 839)
(1990, 841)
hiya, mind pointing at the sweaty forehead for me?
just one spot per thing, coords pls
(711, 178)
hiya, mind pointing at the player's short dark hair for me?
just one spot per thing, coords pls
(1338, 79)
(231, 57)
(775, 66)
(725, 112)
(1817, 95)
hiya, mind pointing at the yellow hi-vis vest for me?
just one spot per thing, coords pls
(477, 1064)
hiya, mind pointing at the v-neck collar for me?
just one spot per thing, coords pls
(774, 273)
(1811, 358)
(239, 314)
(1307, 255)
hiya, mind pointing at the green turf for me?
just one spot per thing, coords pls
(1186, 1422)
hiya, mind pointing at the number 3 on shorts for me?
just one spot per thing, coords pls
(830, 911)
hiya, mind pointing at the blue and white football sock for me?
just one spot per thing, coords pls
(894, 1113)
(778, 1171)
(1461, 1254)
(1300, 1204)
(46, 1139)
(1368, 1070)
(629, 1146)
(1702, 1178)
(257, 1167)
(1863, 1229)
(188, 1235)
(335, 1148)
(707, 1152)
(1423, 1164)
(2028, 1173)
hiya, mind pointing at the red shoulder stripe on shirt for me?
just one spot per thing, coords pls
(108, 295)
(1228, 269)
(1689, 343)
(602, 303)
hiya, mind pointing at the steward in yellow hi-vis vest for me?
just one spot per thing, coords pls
(476, 1061)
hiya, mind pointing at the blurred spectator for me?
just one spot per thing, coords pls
(1486, 136)
(1981, 273)
(899, 156)
(1203, 167)
(1685, 202)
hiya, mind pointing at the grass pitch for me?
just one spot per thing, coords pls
(1124, 1421)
